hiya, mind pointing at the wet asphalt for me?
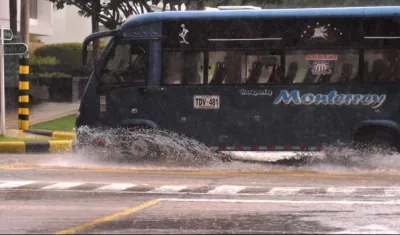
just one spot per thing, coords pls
(65, 194)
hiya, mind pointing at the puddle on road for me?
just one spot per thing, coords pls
(171, 151)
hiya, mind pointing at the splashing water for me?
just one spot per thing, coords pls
(144, 146)
(163, 149)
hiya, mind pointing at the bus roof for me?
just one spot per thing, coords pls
(373, 11)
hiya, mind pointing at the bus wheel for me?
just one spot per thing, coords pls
(377, 141)
(133, 148)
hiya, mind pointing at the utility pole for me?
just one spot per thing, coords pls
(25, 17)
(13, 15)
(23, 84)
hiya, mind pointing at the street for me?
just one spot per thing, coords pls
(59, 194)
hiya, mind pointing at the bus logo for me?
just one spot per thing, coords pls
(332, 98)
(321, 68)
(183, 34)
(320, 32)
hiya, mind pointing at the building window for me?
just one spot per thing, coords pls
(33, 9)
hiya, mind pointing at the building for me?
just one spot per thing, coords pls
(48, 24)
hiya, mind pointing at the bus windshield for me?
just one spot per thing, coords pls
(127, 63)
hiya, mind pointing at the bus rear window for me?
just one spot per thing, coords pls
(317, 66)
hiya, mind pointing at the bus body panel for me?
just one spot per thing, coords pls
(254, 119)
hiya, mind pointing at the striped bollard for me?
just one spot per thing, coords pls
(23, 98)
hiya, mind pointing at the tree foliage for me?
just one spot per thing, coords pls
(112, 12)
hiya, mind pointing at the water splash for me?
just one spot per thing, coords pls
(168, 150)
(148, 146)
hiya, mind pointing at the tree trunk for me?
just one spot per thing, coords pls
(13, 16)
(95, 28)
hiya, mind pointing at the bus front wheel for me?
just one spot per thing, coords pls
(134, 147)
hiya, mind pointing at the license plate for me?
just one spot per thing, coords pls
(206, 101)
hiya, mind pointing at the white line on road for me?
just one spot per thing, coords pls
(15, 184)
(392, 191)
(341, 190)
(395, 202)
(115, 187)
(287, 190)
(369, 229)
(226, 189)
(63, 185)
(168, 189)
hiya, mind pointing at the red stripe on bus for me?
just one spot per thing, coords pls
(254, 148)
(270, 148)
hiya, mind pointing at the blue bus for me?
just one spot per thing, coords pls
(252, 80)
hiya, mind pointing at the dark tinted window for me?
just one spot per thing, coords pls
(128, 63)
(182, 67)
(381, 32)
(382, 65)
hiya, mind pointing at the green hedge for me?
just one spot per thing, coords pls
(63, 53)
(38, 60)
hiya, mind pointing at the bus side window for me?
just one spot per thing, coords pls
(127, 64)
(263, 69)
(182, 68)
(383, 65)
(226, 67)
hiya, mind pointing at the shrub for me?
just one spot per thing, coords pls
(53, 75)
(42, 60)
(64, 53)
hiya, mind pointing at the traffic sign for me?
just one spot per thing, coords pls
(8, 34)
(15, 48)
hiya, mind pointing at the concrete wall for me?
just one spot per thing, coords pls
(39, 26)
(68, 26)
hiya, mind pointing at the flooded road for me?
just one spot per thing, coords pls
(77, 193)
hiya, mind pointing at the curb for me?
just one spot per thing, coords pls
(36, 146)
(52, 134)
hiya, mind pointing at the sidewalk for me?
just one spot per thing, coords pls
(43, 112)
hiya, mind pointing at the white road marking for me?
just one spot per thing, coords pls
(168, 189)
(370, 229)
(63, 185)
(287, 190)
(341, 190)
(394, 202)
(392, 191)
(226, 189)
(15, 184)
(115, 187)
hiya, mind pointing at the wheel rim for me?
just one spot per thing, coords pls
(139, 148)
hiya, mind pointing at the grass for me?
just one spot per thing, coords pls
(7, 139)
(66, 123)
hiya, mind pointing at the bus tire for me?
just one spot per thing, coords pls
(136, 148)
(377, 139)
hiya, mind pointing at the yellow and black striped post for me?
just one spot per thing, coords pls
(23, 98)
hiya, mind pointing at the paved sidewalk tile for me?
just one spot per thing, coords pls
(43, 112)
